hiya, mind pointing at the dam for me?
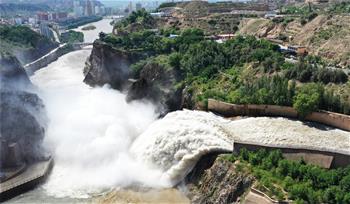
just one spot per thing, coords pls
(101, 143)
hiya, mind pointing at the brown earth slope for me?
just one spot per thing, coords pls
(326, 35)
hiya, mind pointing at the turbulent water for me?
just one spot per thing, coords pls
(176, 142)
(90, 131)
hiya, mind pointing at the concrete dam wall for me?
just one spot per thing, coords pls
(337, 120)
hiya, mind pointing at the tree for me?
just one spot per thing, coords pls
(306, 104)
(308, 99)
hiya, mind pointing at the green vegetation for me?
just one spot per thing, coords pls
(312, 69)
(72, 37)
(24, 43)
(244, 70)
(136, 21)
(343, 7)
(89, 27)
(308, 99)
(301, 10)
(20, 36)
(167, 4)
(305, 13)
(285, 179)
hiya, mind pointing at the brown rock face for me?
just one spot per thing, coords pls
(158, 84)
(216, 180)
(107, 65)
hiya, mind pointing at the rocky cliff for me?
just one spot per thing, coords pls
(158, 84)
(155, 81)
(217, 180)
(22, 113)
(107, 65)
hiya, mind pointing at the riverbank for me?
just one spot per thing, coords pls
(89, 37)
(53, 56)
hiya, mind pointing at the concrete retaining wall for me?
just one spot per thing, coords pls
(53, 56)
(328, 118)
(320, 156)
(47, 59)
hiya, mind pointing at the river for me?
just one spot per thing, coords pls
(101, 26)
(104, 148)
(89, 135)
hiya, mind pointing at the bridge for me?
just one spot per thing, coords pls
(84, 44)
(113, 17)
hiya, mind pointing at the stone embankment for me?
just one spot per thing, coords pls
(53, 56)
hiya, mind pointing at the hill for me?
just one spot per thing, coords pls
(327, 36)
(24, 43)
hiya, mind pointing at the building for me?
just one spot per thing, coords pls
(32, 21)
(45, 30)
(53, 16)
(299, 50)
(42, 16)
(18, 20)
(293, 49)
(158, 14)
(62, 15)
(130, 7)
(97, 10)
(102, 10)
(88, 8)
(77, 8)
(138, 6)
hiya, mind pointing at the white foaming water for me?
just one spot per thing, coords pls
(90, 132)
(176, 142)
(99, 141)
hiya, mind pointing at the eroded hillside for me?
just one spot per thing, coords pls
(326, 35)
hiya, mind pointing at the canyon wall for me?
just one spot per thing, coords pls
(155, 82)
(108, 65)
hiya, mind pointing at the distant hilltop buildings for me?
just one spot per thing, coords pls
(88, 8)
